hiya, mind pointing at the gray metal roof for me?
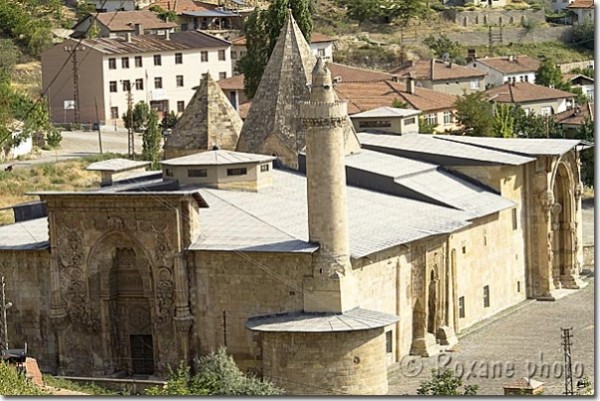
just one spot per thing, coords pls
(210, 13)
(524, 146)
(388, 112)
(28, 235)
(376, 221)
(303, 322)
(432, 182)
(427, 144)
(116, 165)
(217, 158)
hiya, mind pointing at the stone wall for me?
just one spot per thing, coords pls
(331, 363)
(514, 35)
(493, 17)
(567, 67)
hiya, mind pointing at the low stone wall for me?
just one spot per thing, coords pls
(514, 35)
(129, 385)
(567, 67)
(493, 17)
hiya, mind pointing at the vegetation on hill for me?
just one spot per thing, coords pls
(13, 383)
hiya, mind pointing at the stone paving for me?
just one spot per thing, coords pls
(523, 343)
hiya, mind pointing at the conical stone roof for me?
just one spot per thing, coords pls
(208, 120)
(273, 123)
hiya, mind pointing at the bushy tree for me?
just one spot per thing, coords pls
(261, 29)
(504, 120)
(548, 74)
(361, 10)
(151, 140)
(583, 35)
(441, 45)
(169, 121)
(426, 127)
(138, 116)
(534, 125)
(216, 374)
(475, 113)
(9, 55)
(445, 382)
(586, 133)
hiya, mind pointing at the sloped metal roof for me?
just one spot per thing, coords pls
(217, 158)
(523, 146)
(428, 144)
(28, 235)
(303, 322)
(116, 165)
(388, 112)
(388, 165)
(376, 221)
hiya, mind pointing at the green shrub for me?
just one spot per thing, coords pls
(13, 383)
(53, 138)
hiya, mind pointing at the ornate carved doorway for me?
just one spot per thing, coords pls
(142, 354)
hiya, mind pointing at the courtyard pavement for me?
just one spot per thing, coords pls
(525, 342)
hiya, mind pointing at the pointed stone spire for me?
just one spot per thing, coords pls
(209, 120)
(273, 125)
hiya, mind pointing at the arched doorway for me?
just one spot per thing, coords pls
(564, 249)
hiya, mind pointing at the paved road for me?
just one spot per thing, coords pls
(587, 209)
(523, 343)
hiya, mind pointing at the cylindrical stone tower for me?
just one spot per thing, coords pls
(323, 118)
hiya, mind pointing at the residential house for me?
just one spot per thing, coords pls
(507, 68)
(584, 9)
(581, 81)
(159, 70)
(321, 45)
(392, 120)
(194, 15)
(443, 76)
(120, 23)
(103, 6)
(572, 119)
(533, 98)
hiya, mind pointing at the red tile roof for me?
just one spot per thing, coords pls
(523, 92)
(119, 21)
(582, 4)
(180, 6)
(507, 66)
(233, 83)
(436, 70)
(576, 116)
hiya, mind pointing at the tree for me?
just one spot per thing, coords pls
(583, 35)
(426, 127)
(169, 121)
(504, 120)
(586, 133)
(84, 9)
(141, 115)
(441, 45)
(9, 55)
(13, 383)
(535, 126)
(216, 374)
(361, 10)
(445, 382)
(548, 74)
(151, 140)
(397, 103)
(403, 11)
(475, 113)
(261, 29)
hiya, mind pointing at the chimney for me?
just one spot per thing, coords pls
(395, 78)
(410, 85)
(139, 29)
(471, 55)
(511, 57)
(167, 35)
(128, 34)
(324, 118)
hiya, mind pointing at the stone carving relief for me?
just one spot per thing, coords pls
(71, 248)
(165, 297)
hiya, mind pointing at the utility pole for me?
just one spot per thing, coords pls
(74, 49)
(225, 328)
(98, 122)
(3, 307)
(568, 368)
(130, 133)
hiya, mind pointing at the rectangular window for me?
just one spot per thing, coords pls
(112, 86)
(222, 75)
(158, 83)
(410, 121)
(448, 118)
(169, 172)
(222, 55)
(461, 307)
(180, 106)
(514, 219)
(321, 52)
(526, 78)
(197, 172)
(138, 61)
(518, 286)
(546, 111)
(179, 81)
(234, 55)
(124, 62)
(388, 342)
(486, 296)
(474, 84)
(139, 84)
(374, 124)
(112, 64)
(114, 113)
(264, 167)
(157, 59)
(178, 58)
(126, 85)
(184, 27)
(236, 171)
(432, 119)
(204, 56)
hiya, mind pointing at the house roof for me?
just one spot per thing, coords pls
(217, 158)
(524, 92)
(370, 95)
(275, 217)
(582, 4)
(436, 70)
(433, 145)
(576, 116)
(573, 78)
(116, 165)
(211, 13)
(27, 235)
(389, 112)
(124, 21)
(208, 120)
(155, 43)
(516, 146)
(507, 66)
(233, 83)
(314, 38)
(180, 6)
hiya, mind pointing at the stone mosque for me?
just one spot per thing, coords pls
(317, 255)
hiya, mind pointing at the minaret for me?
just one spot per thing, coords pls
(324, 119)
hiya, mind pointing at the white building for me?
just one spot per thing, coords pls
(581, 81)
(392, 120)
(507, 69)
(584, 9)
(161, 71)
